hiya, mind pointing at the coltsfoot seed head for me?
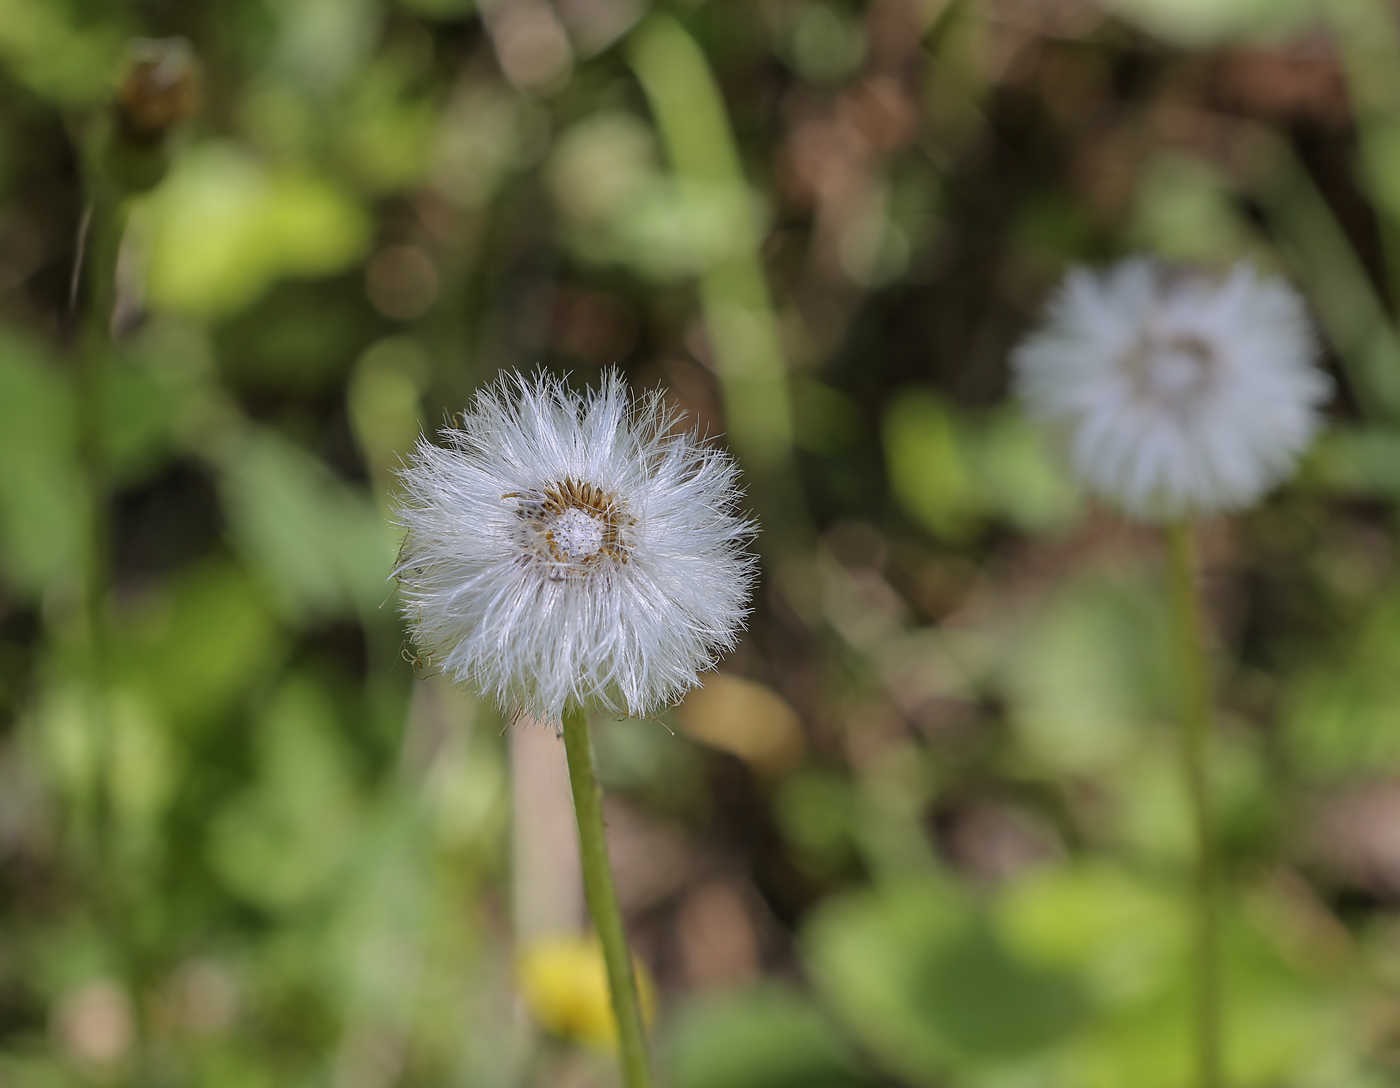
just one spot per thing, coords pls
(1175, 392)
(565, 549)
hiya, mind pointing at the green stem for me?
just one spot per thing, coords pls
(602, 899)
(1195, 753)
(105, 222)
(734, 295)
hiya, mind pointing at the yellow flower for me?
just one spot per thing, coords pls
(565, 986)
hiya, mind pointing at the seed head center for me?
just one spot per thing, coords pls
(1173, 371)
(577, 535)
(573, 526)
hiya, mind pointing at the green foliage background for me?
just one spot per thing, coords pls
(267, 849)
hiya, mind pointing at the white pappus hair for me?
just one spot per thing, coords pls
(1175, 392)
(573, 550)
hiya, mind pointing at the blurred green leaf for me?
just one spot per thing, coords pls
(767, 1037)
(1358, 460)
(824, 45)
(318, 546)
(197, 645)
(485, 133)
(950, 471)
(1201, 23)
(223, 226)
(928, 472)
(138, 420)
(927, 985)
(42, 511)
(1120, 933)
(387, 130)
(606, 178)
(285, 839)
(59, 50)
(322, 43)
(643, 757)
(376, 945)
(1185, 210)
(1017, 477)
(827, 420)
(1339, 715)
(816, 812)
(1286, 992)
(1090, 675)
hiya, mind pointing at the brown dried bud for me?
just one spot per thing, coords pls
(160, 88)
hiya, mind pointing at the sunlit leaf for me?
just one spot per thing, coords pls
(223, 227)
(284, 840)
(927, 985)
(318, 545)
(767, 1037)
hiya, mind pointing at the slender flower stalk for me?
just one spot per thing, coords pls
(126, 154)
(1194, 675)
(1174, 395)
(104, 222)
(565, 553)
(601, 896)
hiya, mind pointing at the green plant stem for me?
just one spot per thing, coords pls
(104, 224)
(734, 295)
(1195, 754)
(598, 890)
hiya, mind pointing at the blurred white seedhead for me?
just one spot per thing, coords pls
(573, 550)
(1175, 392)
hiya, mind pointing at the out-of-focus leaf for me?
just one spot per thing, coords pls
(319, 546)
(1185, 211)
(950, 472)
(816, 812)
(223, 226)
(1120, 933)
(1214, 22)
(929, 987)
(601, 164)
(1358, 460)
(928, 472)
(1091, 675)
(827, 421)
(385, 400)
(57, 52)
(484, 133)
(119, 739)
(376, 947)
(1339, 715)
(824, 46)
(1286, 996)
(622, 209)
(767, 1037)
(193, 648)
(1017, 477)
(41, 492)
(321, 43)
(138, 418)
(387, 132)
(144, 766)
(283, 841)
(643, 757)
(1152, 812)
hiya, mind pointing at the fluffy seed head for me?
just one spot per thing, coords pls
(573, 549)
(1175, 392)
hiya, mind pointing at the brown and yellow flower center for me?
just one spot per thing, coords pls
(1173, 371)
(574, 525)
